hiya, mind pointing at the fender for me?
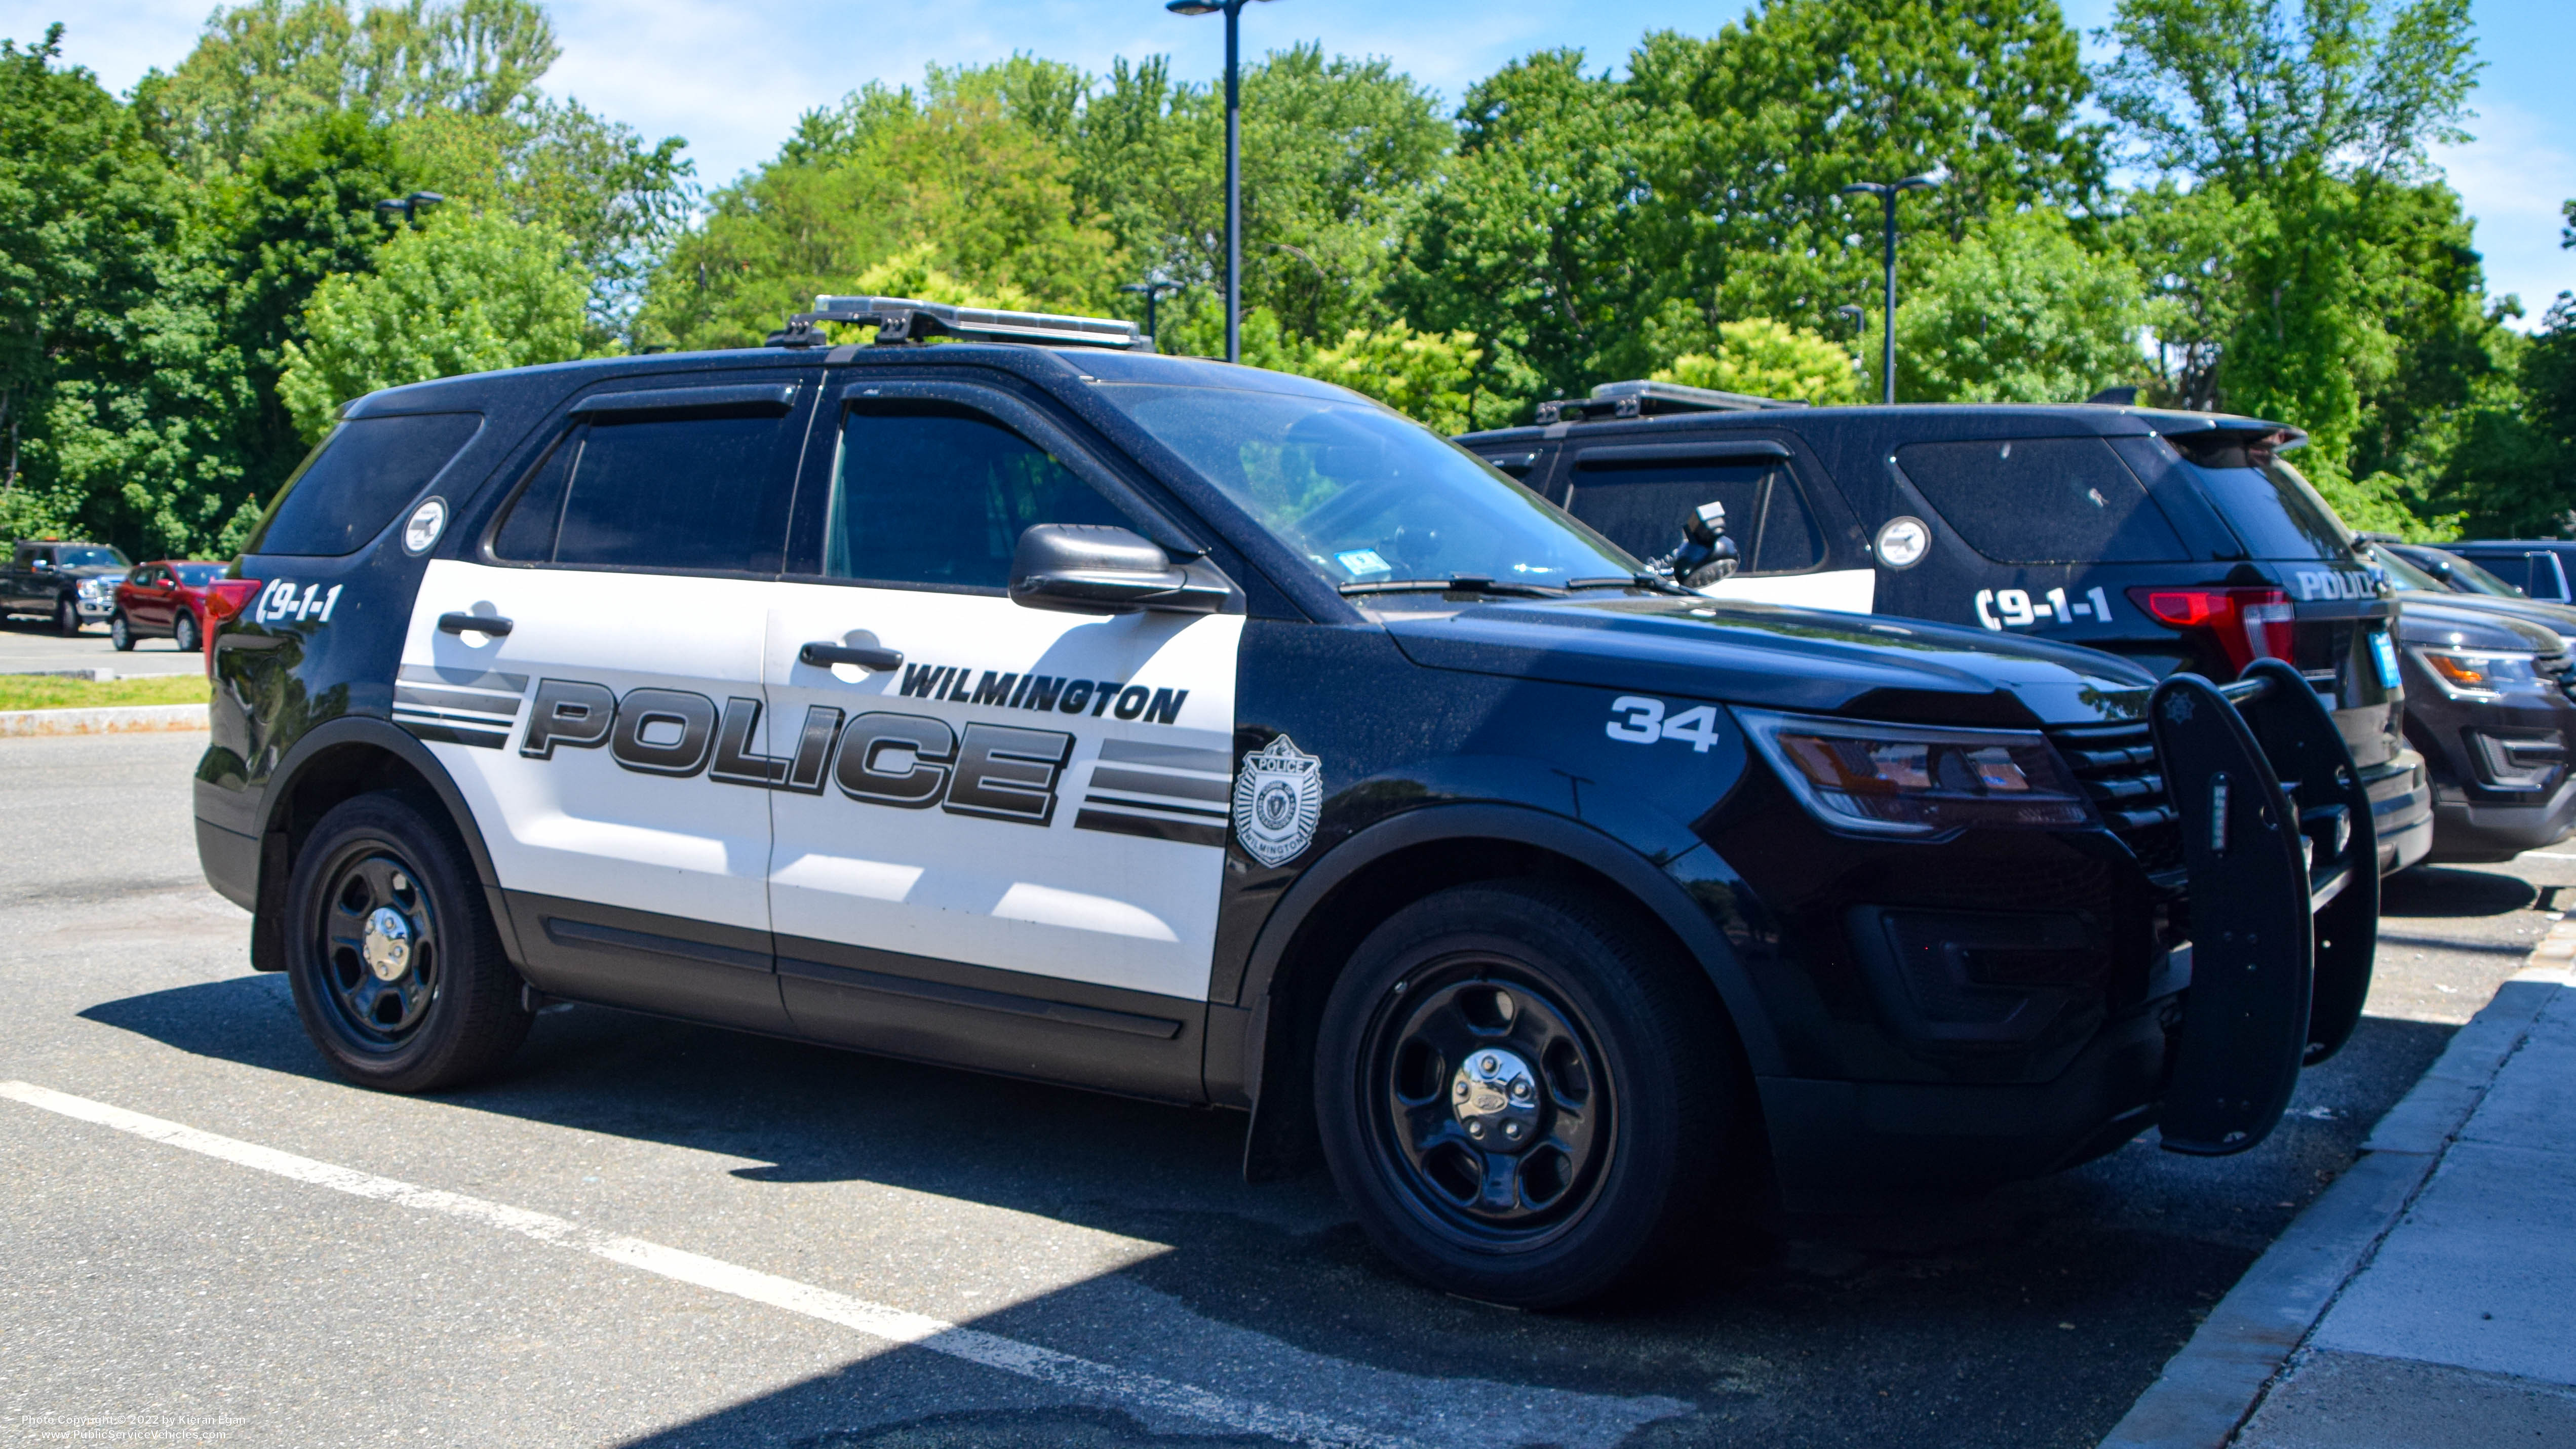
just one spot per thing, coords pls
(1279, 1081)
(367, 731)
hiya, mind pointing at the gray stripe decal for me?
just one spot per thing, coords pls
(469, 678)
(504, 705)
(451, 716)
(1186, 787)
(1150, 828)
(441, 734)
(1177, 757)
(1120, 802)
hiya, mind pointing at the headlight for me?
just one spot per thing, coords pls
(1879, 779)
(2483, 673)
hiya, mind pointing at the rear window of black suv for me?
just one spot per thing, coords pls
(2042, 501)
(351, 485)
(2275, 512)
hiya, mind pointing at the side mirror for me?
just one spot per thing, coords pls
(1080, 568)
(43, 565)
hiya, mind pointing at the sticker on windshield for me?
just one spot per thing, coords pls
(1362, 562)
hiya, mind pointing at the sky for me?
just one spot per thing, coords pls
(733, 78)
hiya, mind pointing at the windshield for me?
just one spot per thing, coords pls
(199, 575)
(2471, 579)
(1366, 496)
(2403, 570)
(89, 558)
(2274, 510)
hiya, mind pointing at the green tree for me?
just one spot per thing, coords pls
(463, 292)
(2020, 311)
(1766, 358)
(268, 67)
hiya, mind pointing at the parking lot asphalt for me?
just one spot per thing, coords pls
(29, 645)
(670, 1235)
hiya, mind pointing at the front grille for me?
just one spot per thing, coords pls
(2117, 766)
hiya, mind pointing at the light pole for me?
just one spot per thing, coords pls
(1233, 166)
(1150, 289)
(409, 206)
(1887, 192)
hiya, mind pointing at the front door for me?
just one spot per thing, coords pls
(1006, 850)
(600, 739)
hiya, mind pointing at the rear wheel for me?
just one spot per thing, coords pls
(184, 632)
(396, 968)
(120, 632)
(66, 616)
(1525, 1099)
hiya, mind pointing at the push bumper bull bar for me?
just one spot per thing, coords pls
(2284, 897)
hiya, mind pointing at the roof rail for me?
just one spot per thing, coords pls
(1644, 399)
(902, 319)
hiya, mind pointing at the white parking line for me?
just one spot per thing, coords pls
(893, 1325)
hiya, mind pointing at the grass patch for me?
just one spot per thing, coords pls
(38, 691)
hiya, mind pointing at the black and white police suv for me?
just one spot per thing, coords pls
(2179, 540)
(1037, 704)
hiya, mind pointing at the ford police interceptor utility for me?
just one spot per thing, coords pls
(1037, 704)
(2179, 540)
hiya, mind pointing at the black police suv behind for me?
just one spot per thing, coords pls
(2487, 691)
(2543, 568)
(1211, 735)
(2177, 540)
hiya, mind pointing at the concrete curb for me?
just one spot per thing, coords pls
(124, 719)
(2208, 1389)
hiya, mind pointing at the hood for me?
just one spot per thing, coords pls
(2558, 619)
(2456, 623)
(1772, 657)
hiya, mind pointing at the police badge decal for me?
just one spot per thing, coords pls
(1278, 794)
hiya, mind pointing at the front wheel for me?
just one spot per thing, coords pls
(120, 632)
(1525, 1098)
(395, 965)
(66, 616)
(184, 633)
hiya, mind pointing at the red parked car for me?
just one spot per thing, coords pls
(164, 598)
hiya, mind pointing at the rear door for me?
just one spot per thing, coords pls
(601, 740)
(1007, 850)
(148, 600)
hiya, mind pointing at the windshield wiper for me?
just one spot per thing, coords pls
(1652, 583)
(1457, 584)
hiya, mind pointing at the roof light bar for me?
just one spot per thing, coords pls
(903, 319)
(1644, 398)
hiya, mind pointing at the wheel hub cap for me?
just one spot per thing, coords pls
(1494, 1096)
(386, 946)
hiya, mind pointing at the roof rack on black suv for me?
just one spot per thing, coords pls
(902, 319)
(1644, 398)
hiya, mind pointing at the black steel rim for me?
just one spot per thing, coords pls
(1481, 1164)
(376, 996)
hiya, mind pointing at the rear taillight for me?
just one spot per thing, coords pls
(2247, 624)
(224, 599)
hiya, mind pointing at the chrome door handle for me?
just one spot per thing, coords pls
(491, 624)
(822, 654)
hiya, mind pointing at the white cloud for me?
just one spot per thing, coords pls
(2512, 179)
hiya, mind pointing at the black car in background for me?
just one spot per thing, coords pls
(2426, 575)
(2543, 568)
(2182, 541)
(2488, 707)
(68, 582)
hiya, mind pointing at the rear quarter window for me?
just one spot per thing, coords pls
(2275, 512)
(352, 484)
(2042, 501)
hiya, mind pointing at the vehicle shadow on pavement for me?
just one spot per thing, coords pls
(2030, 1314)
(2432, 890)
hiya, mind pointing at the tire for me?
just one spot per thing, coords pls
(67, 618)
(184, 633)
(120, 632)
(1630, 1136)
(451, 1012)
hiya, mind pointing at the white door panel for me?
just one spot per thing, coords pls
(586, 822)
(1848, 591)
(1085, 846)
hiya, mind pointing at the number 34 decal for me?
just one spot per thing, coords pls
(1642, 722)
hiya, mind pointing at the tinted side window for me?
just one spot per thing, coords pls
(1641, 508)
(353, 484)
(931, 493)
(2043, 500)
(701, 493)
(2274, 510)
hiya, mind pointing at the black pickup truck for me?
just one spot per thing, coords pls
(70, 583)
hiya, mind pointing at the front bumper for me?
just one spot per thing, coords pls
(2471, 830)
